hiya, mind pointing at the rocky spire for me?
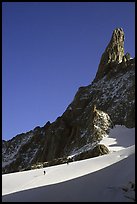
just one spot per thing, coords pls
(114, 52)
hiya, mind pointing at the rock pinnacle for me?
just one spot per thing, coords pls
(114, 52)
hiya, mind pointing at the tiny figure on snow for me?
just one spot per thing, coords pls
(67, 161)
(44, 172)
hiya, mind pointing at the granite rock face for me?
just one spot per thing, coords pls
(109, 100)
(113, 54)
(98, 150)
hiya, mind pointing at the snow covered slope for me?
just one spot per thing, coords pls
(107, 178)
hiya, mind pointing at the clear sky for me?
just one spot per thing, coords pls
(51, 49)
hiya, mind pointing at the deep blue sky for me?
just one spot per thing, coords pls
(51, 49)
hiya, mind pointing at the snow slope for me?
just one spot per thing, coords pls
(98, 179)
(119, 138)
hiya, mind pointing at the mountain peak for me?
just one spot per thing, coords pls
(113, 53)
(95, 109)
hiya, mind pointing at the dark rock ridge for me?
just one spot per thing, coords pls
(98, 150)
(109, 100)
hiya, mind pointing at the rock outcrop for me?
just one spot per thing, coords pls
(113, 55)
(98, 150)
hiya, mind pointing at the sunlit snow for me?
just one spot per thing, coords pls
(98, 179)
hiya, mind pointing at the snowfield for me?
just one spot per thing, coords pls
(107, 178)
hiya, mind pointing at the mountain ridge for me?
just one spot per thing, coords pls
(112, 92)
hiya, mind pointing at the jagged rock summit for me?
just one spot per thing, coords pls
(114, 53)
(109, 100)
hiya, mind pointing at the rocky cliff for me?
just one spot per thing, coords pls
(107, 101)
